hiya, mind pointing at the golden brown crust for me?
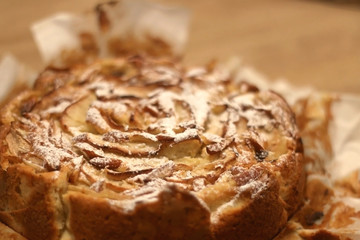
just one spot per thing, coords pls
(176, 214)
(136, 148)
(266, 210)
(7, 233)
(28, 202)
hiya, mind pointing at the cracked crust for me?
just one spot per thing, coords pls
(138, 148)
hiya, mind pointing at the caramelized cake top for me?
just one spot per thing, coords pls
(127, 128)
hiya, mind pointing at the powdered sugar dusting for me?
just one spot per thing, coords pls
(43, 146)
(94, 117)
(60, 108)
(213, 137)
(115, 107)
(78, 161)
(199, 103)
(253, 186)
(152, 130)
(188, 134)
(145, 195)
(98, 186)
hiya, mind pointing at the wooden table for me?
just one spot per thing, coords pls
(308, 42)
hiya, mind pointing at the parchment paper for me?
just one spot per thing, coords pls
(13, 76)
(114, 28)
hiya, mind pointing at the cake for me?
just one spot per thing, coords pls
(143, 148)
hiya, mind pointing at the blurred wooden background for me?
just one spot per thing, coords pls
(307, 42)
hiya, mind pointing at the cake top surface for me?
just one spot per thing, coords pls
(126, 128)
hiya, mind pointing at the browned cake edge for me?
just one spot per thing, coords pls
(35, 204)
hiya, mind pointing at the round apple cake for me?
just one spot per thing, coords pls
(141, 148)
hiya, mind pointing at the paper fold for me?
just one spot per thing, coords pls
(112, 29)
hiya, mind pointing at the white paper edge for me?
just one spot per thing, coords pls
(8, 73)
(60, 33)
(345, 136)
(12, 74)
